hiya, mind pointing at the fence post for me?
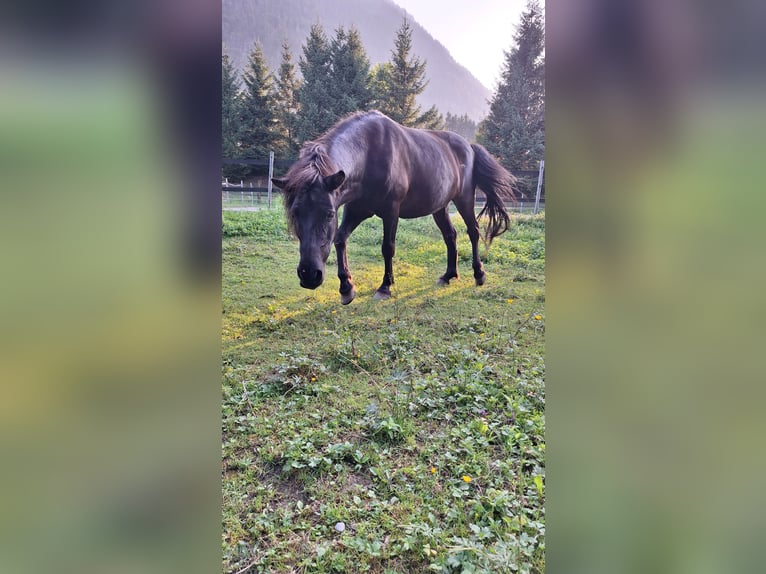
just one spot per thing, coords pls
(539, 186)
(271, 173)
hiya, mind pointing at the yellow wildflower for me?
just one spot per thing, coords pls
(509, 300)
(538, 317)
(433, 470)
(467, 478)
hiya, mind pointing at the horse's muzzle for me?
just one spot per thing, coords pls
(310, 278)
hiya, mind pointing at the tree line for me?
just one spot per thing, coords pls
(277, 111)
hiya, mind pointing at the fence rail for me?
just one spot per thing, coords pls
(262, 162)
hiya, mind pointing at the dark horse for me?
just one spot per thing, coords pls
(374, 166)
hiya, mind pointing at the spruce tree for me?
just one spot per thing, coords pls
(349, 86)
(313, 96)
(288, 107)
(231, 108)
(400, 81)
(514, 130)
(379, 86)
(258, 119)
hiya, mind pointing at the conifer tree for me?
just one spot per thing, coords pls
(514, 130)
(400, 81)
(379, 90)
(258, 119)
(288, 107)
(349, 86)
(313, 96)
(231, 107)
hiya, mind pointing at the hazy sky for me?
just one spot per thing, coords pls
(474, 31)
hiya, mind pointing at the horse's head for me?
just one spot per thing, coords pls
(312, 210)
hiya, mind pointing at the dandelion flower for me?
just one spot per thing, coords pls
(433, 470)
(538, 317)
(467, 478)
(509, 300)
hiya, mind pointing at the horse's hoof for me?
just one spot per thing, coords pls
(442, 282)
(346, 298)
(481, 279)
(381, 296)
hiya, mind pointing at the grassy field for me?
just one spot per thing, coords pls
(395, 436)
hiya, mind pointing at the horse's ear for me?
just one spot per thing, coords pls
(334, 181)
(280, 183)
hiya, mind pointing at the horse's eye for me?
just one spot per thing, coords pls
(329, 215)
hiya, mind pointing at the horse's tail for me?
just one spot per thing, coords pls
(498, 185)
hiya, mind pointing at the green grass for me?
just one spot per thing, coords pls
(418, 422)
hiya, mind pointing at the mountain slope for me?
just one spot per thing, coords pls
(451, 87)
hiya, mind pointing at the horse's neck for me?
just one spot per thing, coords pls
(351, 166)
(348, 194)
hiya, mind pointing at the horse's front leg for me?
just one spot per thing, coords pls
(449, 234)
(351, 219)
(388, 248)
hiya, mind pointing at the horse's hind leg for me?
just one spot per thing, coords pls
(351, 219)
(442, 219)
(465, 208)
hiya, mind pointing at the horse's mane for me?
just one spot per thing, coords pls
(313, 162)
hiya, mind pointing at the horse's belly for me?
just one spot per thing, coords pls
(420, 205)
(416, 211)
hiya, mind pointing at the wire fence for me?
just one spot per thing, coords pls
(251, 198)
(256, 198)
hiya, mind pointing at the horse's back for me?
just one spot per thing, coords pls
(430, 174)
(413, 171)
